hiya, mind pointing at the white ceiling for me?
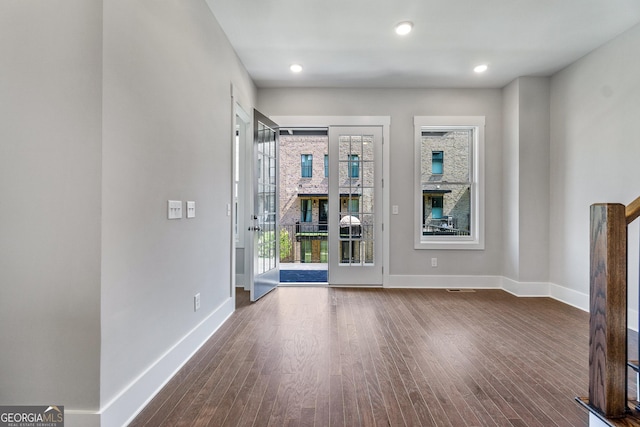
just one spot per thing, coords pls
(351, 43)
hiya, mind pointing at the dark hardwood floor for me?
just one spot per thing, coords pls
(374, 357)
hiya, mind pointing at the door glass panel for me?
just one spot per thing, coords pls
(266, 275)
(356, 186)
(355, 244)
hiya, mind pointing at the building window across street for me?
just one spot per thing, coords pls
(437, 158)
(306, 212)
(354, 166)
(306, 161)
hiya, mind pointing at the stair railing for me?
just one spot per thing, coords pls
(608, 307)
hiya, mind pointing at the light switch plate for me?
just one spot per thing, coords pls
(174, 209)
(191, 209)
(196, 302)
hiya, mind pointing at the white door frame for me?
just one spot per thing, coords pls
(385, 122)
(240, 106)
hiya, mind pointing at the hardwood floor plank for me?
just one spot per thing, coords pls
(385, 357)
(336, 406)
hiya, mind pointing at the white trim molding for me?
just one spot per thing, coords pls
(569, 296)
(443, 282)
(124, 407)
(562, 294)
(525, 289)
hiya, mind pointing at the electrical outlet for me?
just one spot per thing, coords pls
(196, 302)
(434, 262)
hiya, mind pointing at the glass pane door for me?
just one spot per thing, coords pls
(264, 221)
(355, 208)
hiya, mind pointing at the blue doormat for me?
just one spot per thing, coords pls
(303, 276)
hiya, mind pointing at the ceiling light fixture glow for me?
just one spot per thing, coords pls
(481, 68)
(404, 28)
(296, 68)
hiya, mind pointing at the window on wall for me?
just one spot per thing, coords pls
(437, 158)
(436, 207)
(354, 166)
(306, 213)
(449, 209)
(326, 165)
(306, 161)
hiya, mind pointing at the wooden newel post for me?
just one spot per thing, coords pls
(608, 310)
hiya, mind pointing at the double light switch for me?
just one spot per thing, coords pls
(175, 209)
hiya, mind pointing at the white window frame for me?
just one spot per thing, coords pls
(438, 123)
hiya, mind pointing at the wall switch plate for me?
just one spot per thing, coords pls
(191, 209)
(434, 262)
(394, 209)
(174, 209)
(196, 302)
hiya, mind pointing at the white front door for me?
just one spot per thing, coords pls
(355, 205)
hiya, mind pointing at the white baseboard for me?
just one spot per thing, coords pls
(124, 408)
(565, 295)
(81, 419)
(240, 280)
(525, 289)
(595, 421)
(569, 296)
(443, 282)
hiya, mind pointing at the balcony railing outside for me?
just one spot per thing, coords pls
(307, 242)
(437, 228)
(303, 242)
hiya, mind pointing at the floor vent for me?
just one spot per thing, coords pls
(461, 290)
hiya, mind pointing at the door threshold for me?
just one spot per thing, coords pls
(307, 284)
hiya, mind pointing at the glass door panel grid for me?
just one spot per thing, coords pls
(267, 192)
(356, 187)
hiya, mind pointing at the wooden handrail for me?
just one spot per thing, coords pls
(632, 211)
(608, 307)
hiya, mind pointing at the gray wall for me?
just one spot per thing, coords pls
(511, 179)
(526, 179)
(594, 153)
(168, 70)
(50, 167)
(96, 284)
(402, 105)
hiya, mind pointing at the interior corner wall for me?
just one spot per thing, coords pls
(526, 179)
(50, 196)
(402, 105)
(594, 154)
(511, 179)
(533, 183)
(168, 73)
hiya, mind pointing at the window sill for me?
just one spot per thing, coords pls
(444, 243)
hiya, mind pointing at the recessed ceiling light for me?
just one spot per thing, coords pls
(481, 68)
(404, 28)
(296, 68)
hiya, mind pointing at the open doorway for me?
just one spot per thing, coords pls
(304, 205)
